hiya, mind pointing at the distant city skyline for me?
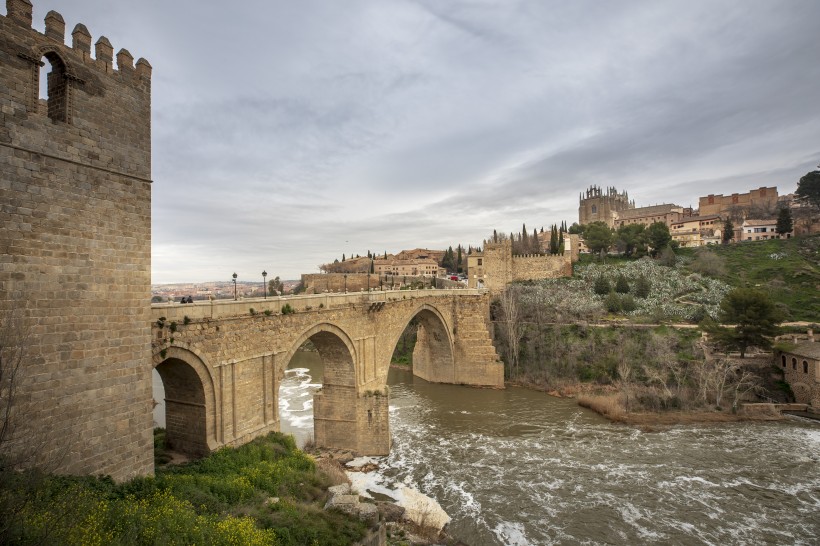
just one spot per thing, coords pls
(286, 134)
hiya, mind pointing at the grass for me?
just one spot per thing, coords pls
(788, 269)
(264, 492)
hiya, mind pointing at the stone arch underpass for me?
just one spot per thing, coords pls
(222, 361)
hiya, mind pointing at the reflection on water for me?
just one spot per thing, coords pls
(516, 466)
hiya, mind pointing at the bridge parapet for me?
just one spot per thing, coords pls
(217, 309)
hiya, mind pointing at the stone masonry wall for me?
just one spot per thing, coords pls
(75, 196)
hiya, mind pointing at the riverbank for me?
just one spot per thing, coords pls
(608, 401)
(410, 517)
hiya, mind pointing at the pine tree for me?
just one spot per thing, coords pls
(458, 262)
(784, 221)
(728, 230)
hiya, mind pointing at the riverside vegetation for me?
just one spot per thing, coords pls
(616, 331)
(265, 492)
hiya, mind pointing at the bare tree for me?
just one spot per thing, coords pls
(511, 326)
(15, 337)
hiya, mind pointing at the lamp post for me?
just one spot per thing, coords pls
(234, 286)
(345, 283)
(264, 284)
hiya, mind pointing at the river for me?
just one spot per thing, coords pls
(516, 466)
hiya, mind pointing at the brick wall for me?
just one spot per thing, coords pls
(76, 238)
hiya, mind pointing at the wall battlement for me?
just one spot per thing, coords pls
(19, 13)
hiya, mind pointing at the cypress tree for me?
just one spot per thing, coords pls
(553, 240)
(561, 243)
(343, 257)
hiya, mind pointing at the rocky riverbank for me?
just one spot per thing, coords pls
(410, 516)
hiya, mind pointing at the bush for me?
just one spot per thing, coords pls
(287, 309)
(627, 303)
(622, 285)
(613, 303)
(601, 286)
(186, 320)
(642, 287)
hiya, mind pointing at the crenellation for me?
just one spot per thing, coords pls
(144, 68)
(81, 41)
(104, 53)
(55, 26)
(20, 11)
(125, 61)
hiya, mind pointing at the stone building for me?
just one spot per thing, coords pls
(801, 369)
(738, 205)
(75, 188)
(666, 213)
(496, 266)
(599, 205)
(697, 231)
(425, 267)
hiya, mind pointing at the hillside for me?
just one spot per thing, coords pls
(788, 270)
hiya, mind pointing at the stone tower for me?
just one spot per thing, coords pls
(599, 205)
(75, 196)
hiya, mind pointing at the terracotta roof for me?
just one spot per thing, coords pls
(807, 349)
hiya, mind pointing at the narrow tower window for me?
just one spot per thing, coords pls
(53, 86)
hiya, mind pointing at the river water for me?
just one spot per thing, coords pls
(516, 466)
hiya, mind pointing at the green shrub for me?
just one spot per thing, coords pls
(173, 327)
(268, 312)
(186, 320)
(627, 303)
(287, 309)
(613, 303)
(622, 285)
(642, 287)
(601, 286)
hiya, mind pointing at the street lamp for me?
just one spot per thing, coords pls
(234, 286)
(345, 283)
(264, 284)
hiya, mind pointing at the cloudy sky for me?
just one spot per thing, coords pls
(286, 133)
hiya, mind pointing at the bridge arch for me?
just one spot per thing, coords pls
(191, 401)
(433, 356)
(335, 404)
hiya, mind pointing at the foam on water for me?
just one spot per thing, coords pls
(522, 468)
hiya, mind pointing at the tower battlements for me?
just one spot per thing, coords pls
(70, 104)
(19, 13)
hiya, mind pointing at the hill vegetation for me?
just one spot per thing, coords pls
(788, 269)
(265, 492)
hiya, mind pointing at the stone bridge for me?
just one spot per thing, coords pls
(221, 362)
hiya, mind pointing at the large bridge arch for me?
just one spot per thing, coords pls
(343, 417)
(434, 353)
(191, 401)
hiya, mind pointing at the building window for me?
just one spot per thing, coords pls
(783, 358)
(794, 363)
(479, 261)
(594, 209)
(805, 367)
